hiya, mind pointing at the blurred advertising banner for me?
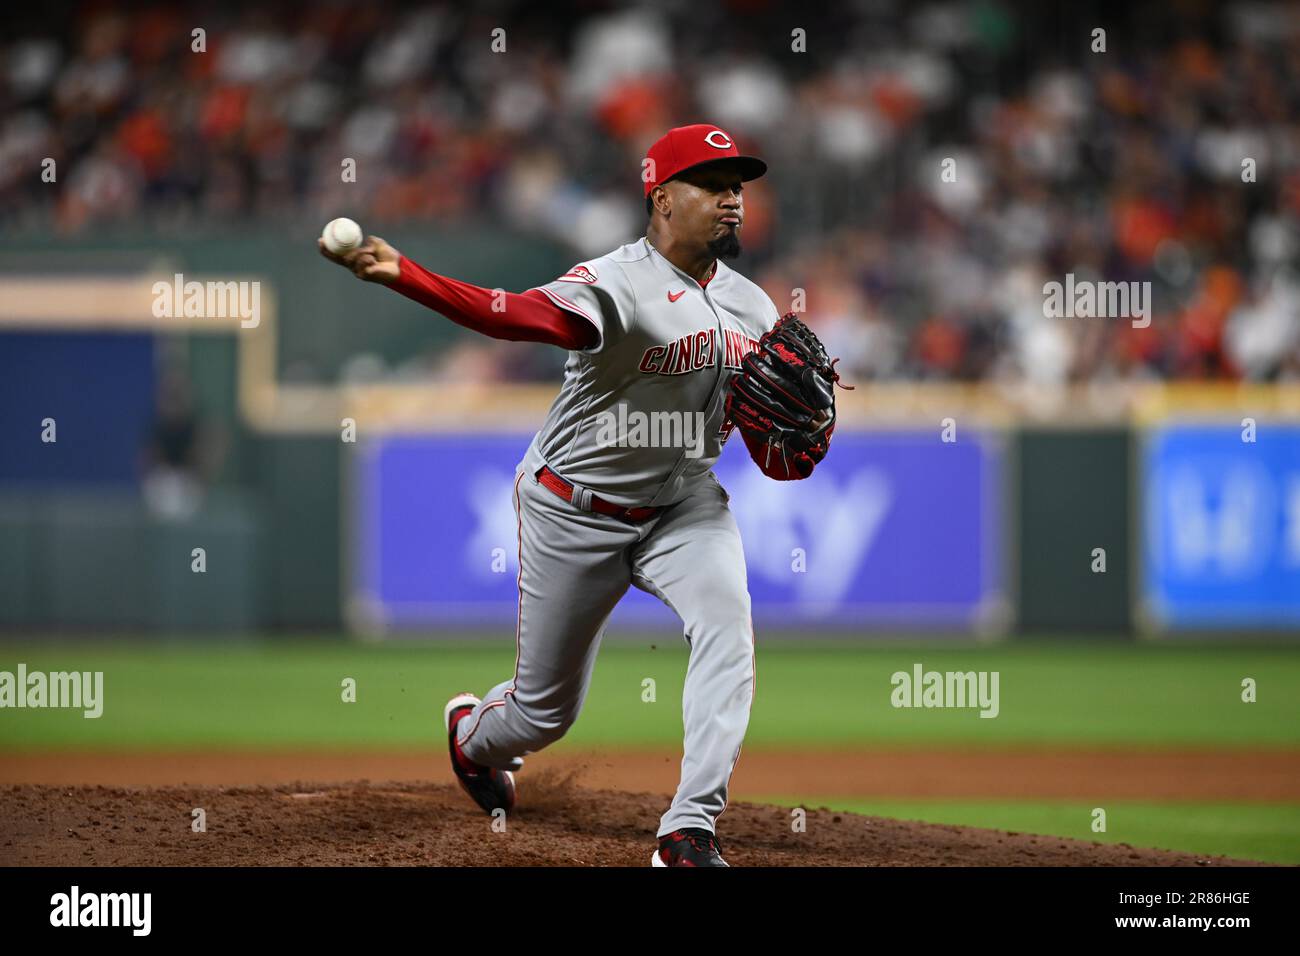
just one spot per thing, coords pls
(896, 529)
(1222, 526)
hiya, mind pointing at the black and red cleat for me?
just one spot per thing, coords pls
(490, 788)
(691, 846)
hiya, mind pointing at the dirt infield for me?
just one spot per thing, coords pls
(576, 809)
(410, 824)
(1237, 776)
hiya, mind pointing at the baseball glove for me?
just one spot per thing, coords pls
(784, 394)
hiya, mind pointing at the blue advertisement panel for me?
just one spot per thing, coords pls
(894, 530)
(1222, 526)
(98, 389)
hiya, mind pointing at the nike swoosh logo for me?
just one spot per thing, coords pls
(674, 298)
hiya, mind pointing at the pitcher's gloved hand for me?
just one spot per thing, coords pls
(784, 394)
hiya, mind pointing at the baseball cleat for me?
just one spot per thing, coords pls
(691, 846)
(490, 788)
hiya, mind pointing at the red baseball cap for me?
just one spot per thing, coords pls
(685, 147)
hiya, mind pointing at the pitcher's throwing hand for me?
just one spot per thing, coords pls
(374, 260)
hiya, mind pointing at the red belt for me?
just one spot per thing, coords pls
(599, 505)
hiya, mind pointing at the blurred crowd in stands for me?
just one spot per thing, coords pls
(1165, 150)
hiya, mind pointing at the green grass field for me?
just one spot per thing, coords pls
(288, 695)
(280, 695)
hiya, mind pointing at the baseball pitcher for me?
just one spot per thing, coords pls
(658, 331)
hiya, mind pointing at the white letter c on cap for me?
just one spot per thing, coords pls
(726, 140)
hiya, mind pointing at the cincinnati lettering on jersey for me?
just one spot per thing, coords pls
(695, 351)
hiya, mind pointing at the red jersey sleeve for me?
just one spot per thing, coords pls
(517, 317)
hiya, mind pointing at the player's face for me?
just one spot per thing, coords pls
(708, 209)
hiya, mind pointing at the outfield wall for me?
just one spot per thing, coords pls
(410, 532)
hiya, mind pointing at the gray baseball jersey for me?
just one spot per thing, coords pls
(638, 421)
(639, 418)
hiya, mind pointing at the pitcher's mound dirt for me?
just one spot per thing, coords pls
(558, 823)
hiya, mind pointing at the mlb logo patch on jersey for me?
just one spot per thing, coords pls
(579, 274)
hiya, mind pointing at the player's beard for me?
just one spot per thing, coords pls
(726, 246)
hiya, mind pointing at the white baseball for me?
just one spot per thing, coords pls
(341, 236)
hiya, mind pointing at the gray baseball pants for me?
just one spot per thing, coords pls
(574, 566)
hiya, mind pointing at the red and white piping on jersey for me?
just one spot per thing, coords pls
(753, 670)
(573, 307)
(519, 618)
